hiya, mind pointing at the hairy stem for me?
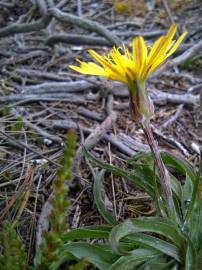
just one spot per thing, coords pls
(165, 180)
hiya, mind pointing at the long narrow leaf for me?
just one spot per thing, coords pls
(159, 226)
(141, 182)
(89, 232)
(137, 256)
(159, 263)
(99, 255)
(97, 192)
(191, 257)
(157, 244)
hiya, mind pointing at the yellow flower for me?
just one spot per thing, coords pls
(122, 65)
(132, 68)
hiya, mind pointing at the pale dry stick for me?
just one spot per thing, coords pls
(85, 24)
(188, 54)
(79, 8)
(97, 134)
(168, 11)
(21, 58)
(26, 28)
(6, 5)
(90, 114)
(135, 22)
(182, 75)
(76, 39)
(171, 141)
(179, 110)
(43, 133)
(57, 87)
(149, 34)
(29, 98)
(195, 88)
(41, 6)
(24, 17)
(117, 142)
(99, 131)
(174, 117)
(30, 27)
(76, 217)
(31, 73)
(62, 4)
(9, 183)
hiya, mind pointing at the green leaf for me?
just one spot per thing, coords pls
(138, 179)
(191, 257)
(200, 233)
(159, 263)
(89, 232)
(146, 160)
(160, 226)
(191, 186)
(179, 165)
(137, 256)
(97, 192)
(142, 157)
(100, 256)
(155, 243)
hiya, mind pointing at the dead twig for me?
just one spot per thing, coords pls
(85, 24)
(6, 5)
(58, 87)
(168, 11)
(43, 133)
(160, 97)
(29, 98)
(24, 27)
(174, 117)
(99, 131)
(172, 142)
(76, 40)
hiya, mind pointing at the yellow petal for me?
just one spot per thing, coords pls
(155, 49)
(155, 65)
(162, 45)
(171, 31)
(176, 44)
(99, 58)
(160, 60)
(122, 65)
(89, 68)
(140, 53)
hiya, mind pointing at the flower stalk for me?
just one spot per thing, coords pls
(165, 180)
(142, 110)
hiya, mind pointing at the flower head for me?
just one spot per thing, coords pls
(125, 66)
(133, 68)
